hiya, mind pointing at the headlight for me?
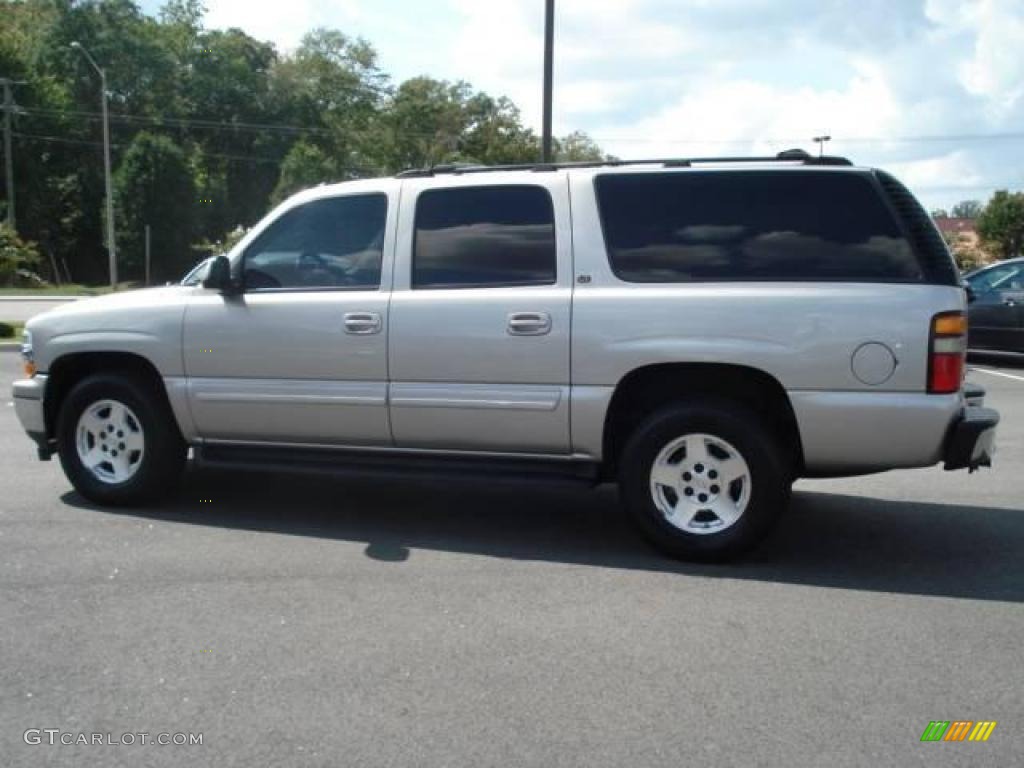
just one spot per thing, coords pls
(28, 354)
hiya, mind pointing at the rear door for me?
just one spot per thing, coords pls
(479, 346)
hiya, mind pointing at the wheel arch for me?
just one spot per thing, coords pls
(644, 390)
(69, 369)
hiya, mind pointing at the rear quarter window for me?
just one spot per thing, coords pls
(752, 225)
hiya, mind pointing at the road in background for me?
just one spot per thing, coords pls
(308, 622)
(19, 309)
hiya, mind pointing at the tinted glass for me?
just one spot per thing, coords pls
(1006, 277)
(790, 225)
(484, 236)
(334, 242)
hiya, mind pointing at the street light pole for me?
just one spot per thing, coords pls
(8, 108)
(820, 141)
(549, 46)
(111, 245)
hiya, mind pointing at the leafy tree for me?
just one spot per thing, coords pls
(965, 251)
(1002, 223)
(939, 213)
(16, 256)
(578, 147)
(967, 209)
(422, 124)
(155, 187)
(492, 132)
(306, 165)
(218, 115)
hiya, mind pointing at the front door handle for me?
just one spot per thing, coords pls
(529, 323)
(362, 323)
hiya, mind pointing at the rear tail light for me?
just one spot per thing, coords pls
(947, 353)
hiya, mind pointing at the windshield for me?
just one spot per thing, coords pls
(197, 274)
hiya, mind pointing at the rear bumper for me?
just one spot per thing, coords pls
(974, 394)
(28, 405)
(971, 440)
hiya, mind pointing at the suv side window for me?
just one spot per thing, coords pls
(334, 243)
(484, 237)
(751, 225)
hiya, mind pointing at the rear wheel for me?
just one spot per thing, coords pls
(117, 440)
(704, 481)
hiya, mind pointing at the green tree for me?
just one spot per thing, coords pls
(251, 123)
(155, 187)
(422, 124)
(306, 165)
(578, 147)
(1002, 223)
(967, 209)
(16, 256)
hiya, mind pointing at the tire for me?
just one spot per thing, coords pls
(118, 441)
(671, 492)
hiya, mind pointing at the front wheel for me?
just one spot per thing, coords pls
(117, 441)
(704, 481)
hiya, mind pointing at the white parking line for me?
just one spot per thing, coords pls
(998, 373)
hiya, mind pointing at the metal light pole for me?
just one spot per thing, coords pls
(8, 157)
(111, 247)
(820, 141)
(549, 52)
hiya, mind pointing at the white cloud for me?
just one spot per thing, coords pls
(996, 69)
(732, 116)
(652, 77)
(283, 23)
(952, 170)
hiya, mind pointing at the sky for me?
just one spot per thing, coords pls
(932, 90)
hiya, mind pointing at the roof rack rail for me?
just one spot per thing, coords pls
(786, 156)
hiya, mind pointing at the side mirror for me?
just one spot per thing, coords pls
(218, 276)
(971, 295)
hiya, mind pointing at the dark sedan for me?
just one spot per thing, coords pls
(996, 315)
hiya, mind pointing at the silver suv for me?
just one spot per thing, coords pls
(703, 332)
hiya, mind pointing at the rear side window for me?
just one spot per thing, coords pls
(751, 225)
(479, 237)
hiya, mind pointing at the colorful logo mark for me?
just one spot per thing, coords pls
(958, 730)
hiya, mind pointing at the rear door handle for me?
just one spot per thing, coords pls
(362, 323)
(529, 323)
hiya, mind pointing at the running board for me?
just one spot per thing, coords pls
(386, 464)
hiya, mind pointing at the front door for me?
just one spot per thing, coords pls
(479, 345)
(996, 316)
(300, 356)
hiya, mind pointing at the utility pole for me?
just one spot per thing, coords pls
(549, 52)
(147, 255)
(8, 157)
(111, 246)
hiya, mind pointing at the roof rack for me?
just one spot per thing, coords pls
(789, 155)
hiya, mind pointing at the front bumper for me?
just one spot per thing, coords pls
(28, 405)
(971, 440)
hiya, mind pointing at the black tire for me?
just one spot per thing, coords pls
(162, 458)
(744, 430)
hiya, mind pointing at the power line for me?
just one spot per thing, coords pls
(178, 122)
(231, 125)
(218, 155)
(222, 125)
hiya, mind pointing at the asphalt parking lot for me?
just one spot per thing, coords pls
(321, 623)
